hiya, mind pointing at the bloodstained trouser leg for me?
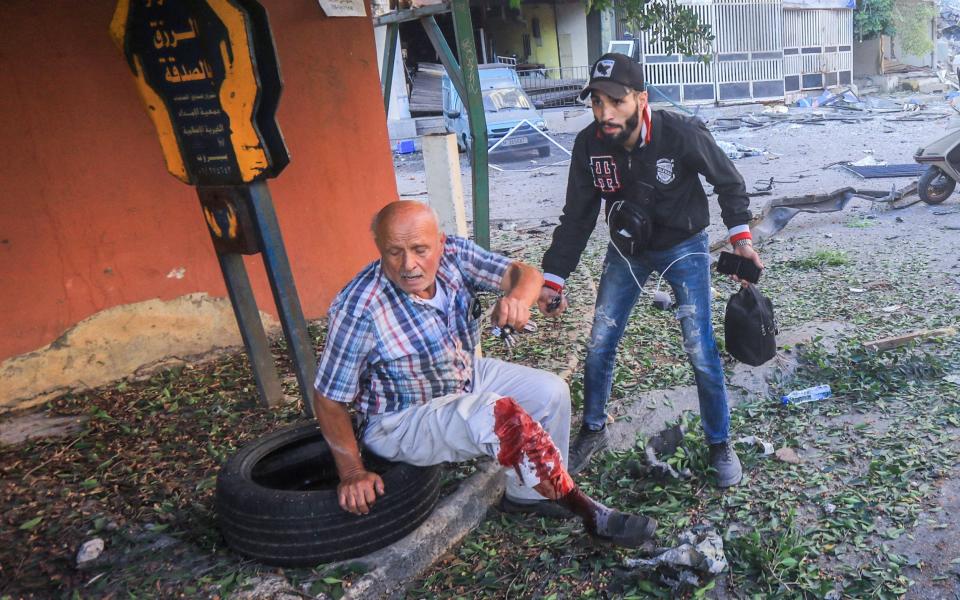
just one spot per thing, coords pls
(528, 449)
(542, 395)
(456, 428)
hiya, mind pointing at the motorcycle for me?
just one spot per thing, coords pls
(943, 157)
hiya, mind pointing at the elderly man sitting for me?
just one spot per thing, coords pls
(400, 348)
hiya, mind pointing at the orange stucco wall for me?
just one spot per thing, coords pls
(89, 216)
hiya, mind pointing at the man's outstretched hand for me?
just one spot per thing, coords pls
(358, 492)
(548, 299)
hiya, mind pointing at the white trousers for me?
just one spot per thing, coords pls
(460, 427)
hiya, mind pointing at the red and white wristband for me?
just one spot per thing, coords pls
(740, 236)
(553, 282)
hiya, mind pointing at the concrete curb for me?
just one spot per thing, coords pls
(456, 516)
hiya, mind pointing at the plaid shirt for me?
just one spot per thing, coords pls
(388, 350)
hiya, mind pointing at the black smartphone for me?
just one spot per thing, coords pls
(732, 264)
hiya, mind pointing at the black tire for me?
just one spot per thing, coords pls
(935, 186)
(543, 151)
(276, 501)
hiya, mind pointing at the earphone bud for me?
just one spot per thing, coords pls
(662, 300)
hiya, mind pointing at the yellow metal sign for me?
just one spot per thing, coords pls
(210, 91)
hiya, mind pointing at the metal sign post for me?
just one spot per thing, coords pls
(207, 72)
(473, 101)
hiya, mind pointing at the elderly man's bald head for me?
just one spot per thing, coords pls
(401, 212)
(408, 236)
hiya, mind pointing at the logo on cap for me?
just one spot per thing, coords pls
(603, 68)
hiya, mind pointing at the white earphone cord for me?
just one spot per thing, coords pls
(660, 279)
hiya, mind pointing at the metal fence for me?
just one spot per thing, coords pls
(747, 55)
(761, 51)
(554, 87)
(817, 48)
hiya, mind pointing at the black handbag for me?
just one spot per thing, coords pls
(750, 327)
(631, 224)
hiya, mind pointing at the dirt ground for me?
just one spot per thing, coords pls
(872, 510)
(802, 158)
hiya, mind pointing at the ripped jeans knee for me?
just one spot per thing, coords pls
(697, 334)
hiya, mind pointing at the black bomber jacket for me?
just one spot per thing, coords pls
(680, 149)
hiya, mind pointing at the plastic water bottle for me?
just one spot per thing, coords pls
(811, 394)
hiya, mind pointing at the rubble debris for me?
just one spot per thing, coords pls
(698, 554)
(901, 340)
(778, 212)
(752, 440)
(89, 552)
(658, 447)
(766, 187)
(867, 161)
(735, 150)
(787, 455)
(885, 171)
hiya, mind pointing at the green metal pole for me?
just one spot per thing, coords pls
(443, 50)
(473, 101)
(389, 60)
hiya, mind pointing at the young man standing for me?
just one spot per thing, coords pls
(644, 166)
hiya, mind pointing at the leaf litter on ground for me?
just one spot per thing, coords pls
(141, 475)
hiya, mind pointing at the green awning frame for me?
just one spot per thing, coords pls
(466, 79)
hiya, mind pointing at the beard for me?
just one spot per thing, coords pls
(624, 134)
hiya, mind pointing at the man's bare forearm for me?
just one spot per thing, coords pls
(523, 282)
(334, 420)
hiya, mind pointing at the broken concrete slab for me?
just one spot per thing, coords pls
(924, 85)
(37, 425)
(647, 412)
(271, 587)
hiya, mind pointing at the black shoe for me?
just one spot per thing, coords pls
(726, 463)
(541, 508)
(586, 444)
(622, 529)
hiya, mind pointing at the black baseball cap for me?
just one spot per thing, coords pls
(615, 75)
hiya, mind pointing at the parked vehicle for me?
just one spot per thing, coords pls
(940, 179)
(505, 105)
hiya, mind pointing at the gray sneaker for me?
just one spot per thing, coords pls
(586, 444)
(726, 463)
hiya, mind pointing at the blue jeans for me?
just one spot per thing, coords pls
(690, 280)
